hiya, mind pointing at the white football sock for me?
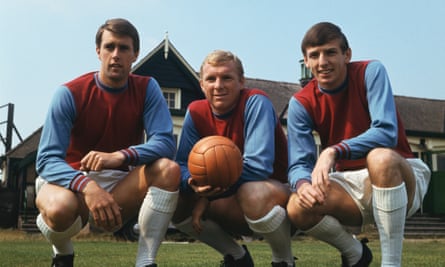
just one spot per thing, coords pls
(213, 235)
(60, 241)
(154, 217)
(389, 207)
(332, 232)
(275, 228)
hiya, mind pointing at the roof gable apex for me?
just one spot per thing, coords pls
(168, 49)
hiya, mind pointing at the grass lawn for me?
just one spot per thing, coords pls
(20, 249)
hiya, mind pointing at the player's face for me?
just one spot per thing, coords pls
(328, 64)
(221, 85)
(116, 54)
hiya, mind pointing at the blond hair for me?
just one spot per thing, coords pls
(218, 57)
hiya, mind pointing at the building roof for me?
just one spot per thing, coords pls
(28, 145)
(279, 92)
(420, 115)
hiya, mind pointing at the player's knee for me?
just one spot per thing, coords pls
(382, 159)
(164, 173)
(244, 193)
(170, 169)
(59, 215)
(386, 167)
(267, 194)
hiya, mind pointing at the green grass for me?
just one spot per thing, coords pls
(19, 249)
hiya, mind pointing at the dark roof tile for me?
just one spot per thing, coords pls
(422, 115)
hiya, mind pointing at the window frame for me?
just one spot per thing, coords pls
(176, 99)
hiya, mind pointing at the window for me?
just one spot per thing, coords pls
(173, 97)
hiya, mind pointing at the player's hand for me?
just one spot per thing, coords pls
(105, 211)
(320, 173)
(309, 196)
(97, 161)
(205, 190)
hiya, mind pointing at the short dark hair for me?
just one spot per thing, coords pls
(322, 33)
(120, 27)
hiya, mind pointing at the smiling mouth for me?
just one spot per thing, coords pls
(219, 97)
(324, 71)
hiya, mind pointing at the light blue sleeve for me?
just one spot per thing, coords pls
(54, 140)
(382, 109)
(302, 150)
(259, 138)
(158, 126)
